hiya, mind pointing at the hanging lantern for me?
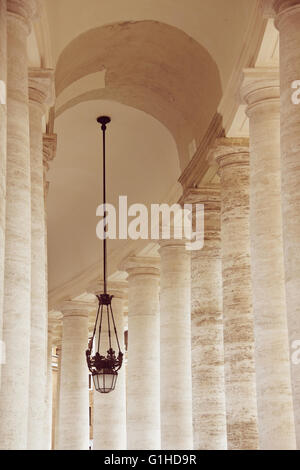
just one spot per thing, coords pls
(104, 367)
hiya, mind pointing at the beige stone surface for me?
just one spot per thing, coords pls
(56, 399)
(73, 431)
(109, 424)
(40, 86)
(288, 24)
(273, 379)
(175, 346)
(240, 384)
(17, 283)
(143, 370)
(48, 408)
(3, 62)
(209, 413)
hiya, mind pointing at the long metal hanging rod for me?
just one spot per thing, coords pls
(104, 120)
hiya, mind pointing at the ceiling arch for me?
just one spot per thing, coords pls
(219, 25)
(153, 67)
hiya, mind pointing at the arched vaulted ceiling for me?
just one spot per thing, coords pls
(160, 68)
(151, 66)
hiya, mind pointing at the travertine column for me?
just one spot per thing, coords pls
(55, 419)
(16, 312)
(110, 409)
(3, 59)
(48, 397)
(288, 24)
(273, 379)
(241, 409)
(74, 390)
(40, 93)
(175, 342)
(209, 411)
(143, 370)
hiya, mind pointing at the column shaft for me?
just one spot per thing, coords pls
(14, 397)
(56, 393)
(40, 85)
(209, 411)
(143, 370)
(74, 391)
(48, 399)
(241, 409)
(273, 378)
(288, 24)
(3, 109)
(175, 347)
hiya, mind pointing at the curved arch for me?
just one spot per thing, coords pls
(153, 67)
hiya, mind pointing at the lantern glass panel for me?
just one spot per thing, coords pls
(105, 380)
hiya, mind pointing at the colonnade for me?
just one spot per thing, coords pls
(211, 332)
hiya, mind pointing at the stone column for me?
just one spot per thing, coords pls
(241, 409)
(288, 24)
(40, 93)
(273, 379)
(109, 425)
(48, 398)
(209, 411)
(55, 418)
(74, 390)
(3, 108)
(143, 370)
(175, 346)
(14, 398)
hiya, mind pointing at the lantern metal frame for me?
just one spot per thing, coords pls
(99, 365)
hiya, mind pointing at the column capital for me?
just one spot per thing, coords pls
(74, 308)
(271, 8)
(280, 10)
(281, 6)
(41, 86)
(210, 195)
(174, 243)
(116, 288)
(231, 151)
(25, 10)
(136, 265)
(260, 86)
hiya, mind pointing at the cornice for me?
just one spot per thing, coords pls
(196, 169)
(208, 194)
(200, 164)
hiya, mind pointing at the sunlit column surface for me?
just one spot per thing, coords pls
(175, 346)
(74, 391)
(241, 409)
(3, 108)
(143, 370)
(40, 93)
(273, 378)
(14, 398)
(288, 23)
(209, 413)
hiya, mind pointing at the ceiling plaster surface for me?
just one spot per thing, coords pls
(142, 163)
(218, 25)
